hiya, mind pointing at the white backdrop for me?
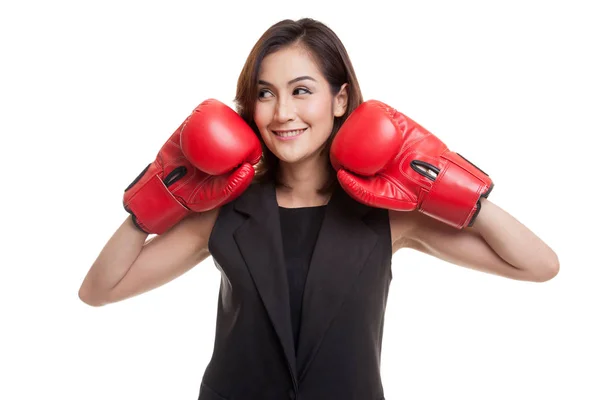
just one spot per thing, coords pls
(90, 91)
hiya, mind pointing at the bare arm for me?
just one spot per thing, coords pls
(497, 243)
(128, 265)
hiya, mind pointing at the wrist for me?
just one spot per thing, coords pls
(480, 221)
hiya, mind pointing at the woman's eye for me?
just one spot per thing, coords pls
(301, 90)
(298, 91)
(263, 93)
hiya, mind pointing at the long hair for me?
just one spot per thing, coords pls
(333, 62)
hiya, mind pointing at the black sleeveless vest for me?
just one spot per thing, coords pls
(339, 339)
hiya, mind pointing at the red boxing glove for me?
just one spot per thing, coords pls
(207, 162)
(386, 160)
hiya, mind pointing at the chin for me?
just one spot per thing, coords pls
(299, 156)
(291, 158)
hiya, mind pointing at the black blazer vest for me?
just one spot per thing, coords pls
(343, 306)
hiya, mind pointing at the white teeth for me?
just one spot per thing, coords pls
(290, 133)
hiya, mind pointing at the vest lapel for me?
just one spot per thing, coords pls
(344, 243)
(342, 248)
(259, 241)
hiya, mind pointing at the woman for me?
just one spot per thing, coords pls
(304, 251)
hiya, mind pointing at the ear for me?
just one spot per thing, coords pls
(340, 101)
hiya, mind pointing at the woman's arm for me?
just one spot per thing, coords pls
(496, 243)
(128, 265)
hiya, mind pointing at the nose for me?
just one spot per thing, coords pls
(284, 111)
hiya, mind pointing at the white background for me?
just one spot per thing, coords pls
(89, 92)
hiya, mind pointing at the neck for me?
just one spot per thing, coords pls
(304, 180)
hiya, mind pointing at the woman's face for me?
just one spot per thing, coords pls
(295, 108)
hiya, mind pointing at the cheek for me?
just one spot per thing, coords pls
(318, 111)
(262, 115)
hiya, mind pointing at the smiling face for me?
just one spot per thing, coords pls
(295, 109)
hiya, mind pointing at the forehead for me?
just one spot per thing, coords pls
(287, 64)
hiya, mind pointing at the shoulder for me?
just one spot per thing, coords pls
(202, 223)
(403, 226)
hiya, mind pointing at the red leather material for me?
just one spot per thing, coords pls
(173, 186)
(454, 196)
(211, 127)
(384, 159)
(152, 197)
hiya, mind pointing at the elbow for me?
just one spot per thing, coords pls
(90, 299)
(548, 271)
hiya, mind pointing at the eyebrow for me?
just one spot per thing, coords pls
(300, 78)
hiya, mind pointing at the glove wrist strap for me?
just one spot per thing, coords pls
(455, 195)
(154, 207)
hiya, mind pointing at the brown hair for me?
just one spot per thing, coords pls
(334, 63)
